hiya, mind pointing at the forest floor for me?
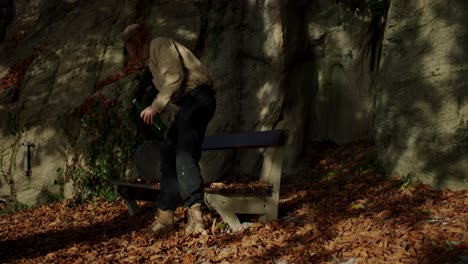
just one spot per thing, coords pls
(343, 210)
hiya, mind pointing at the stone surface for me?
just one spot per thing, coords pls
(341, 104)
(68, 190)
(422, 113)
(305, 66)
(31, 197)
(47, 156)
(248, 46)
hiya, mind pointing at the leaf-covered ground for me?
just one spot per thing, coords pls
(342, 211)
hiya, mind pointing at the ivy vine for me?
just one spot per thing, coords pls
(107, 154)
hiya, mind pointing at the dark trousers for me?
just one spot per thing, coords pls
(181, 150)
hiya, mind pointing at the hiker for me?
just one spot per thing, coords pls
(183, 80)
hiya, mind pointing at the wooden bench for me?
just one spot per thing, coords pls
(226, 201)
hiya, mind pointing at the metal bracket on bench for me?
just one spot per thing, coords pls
(132, 192)
(132, 205)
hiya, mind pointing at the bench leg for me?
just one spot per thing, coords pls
(271, 210)
(231, 219)
(132, 205)
(220, 205)
(228, 206)
(271, 173)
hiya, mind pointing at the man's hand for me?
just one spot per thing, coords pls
(147, 114)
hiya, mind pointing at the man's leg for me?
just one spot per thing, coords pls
(169, 195)
(194, 117)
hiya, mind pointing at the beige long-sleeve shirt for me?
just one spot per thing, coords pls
(175, 70)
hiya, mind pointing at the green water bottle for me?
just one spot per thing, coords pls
(157, 126)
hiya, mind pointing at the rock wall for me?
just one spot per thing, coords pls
(310, 67)
(422, 113)
(79, 48)
(7, 11)
(340, 93)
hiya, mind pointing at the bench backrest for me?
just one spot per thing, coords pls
(257, 139)
(273, 140)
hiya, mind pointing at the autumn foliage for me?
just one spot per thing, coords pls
(128, 70)
(16, 73)
(343, 210)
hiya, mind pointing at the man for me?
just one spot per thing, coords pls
(182, 79)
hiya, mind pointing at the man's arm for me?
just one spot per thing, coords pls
(170, 66)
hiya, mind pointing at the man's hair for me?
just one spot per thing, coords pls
(136, 35)
(135, 32)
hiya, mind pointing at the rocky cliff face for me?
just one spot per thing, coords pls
(421, 118)
(307, 66)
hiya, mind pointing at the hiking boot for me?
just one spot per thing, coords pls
(163, 223)
(195, 224)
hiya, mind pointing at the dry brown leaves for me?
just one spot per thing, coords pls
(239, 188)
(352, 214)
(16, 73)
(128, 70)
(250, 185)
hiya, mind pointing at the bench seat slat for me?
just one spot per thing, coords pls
(137, 191)
(241, 192)
(146, 192)
(136, 185)
(255, 139)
